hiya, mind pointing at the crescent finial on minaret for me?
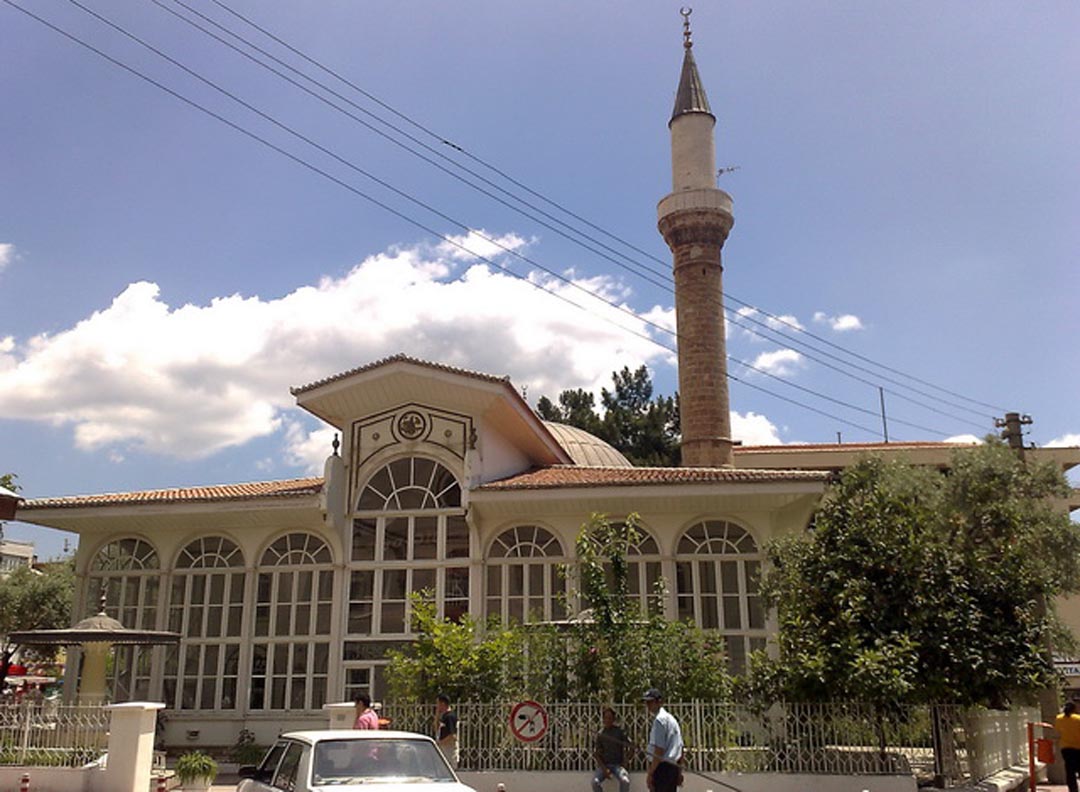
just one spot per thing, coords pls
(686, 11)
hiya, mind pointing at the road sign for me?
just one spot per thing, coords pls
(528, 721)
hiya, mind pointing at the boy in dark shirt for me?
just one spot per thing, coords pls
(610, 754)
(446, 730)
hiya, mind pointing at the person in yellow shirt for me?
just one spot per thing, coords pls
(1068, 729)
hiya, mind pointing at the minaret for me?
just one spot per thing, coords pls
(695, 220)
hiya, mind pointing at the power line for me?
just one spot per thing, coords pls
(299, 160)
(434, 135)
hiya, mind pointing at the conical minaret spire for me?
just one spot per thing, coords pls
(695, 220)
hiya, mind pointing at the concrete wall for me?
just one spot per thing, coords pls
(518, 781)
(49, 779)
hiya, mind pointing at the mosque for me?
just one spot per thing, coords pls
(288, 594)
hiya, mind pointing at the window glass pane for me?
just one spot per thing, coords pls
(393, 617)
(457, 537)
(393, 584)
(756, 613)
(732, 614)
(710, 619)
(396, 542)
(423, 580)
(729, 573)
(706, 577)
(425, 536)
(363, 544)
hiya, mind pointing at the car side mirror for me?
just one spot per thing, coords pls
(254, 773)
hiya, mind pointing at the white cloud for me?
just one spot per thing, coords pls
(308, 449)
(780, 362)
(1065, 441)
(964, 438)
(750, 321)
(187, 381)
(841, 324)
(7, 254)
(754, 429)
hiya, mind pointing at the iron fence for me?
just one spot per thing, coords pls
(946, 742)
(51, 734)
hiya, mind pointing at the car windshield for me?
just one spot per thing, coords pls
(378, 760)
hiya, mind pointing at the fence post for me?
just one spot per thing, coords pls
(131, 745)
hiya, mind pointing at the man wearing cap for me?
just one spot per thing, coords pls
(665, 746)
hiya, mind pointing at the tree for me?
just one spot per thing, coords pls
(7, 481)
(612, 654)
(621, 651)
(643, 428)
(33, 600)
(914, 586)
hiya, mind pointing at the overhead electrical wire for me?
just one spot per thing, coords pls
(386, 207)
(442, 140)
(734, 317)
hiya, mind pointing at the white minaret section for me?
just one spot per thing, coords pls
(693, 153)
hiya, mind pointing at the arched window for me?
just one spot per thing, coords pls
(290, 656)
(717, 572)
(409, 535)
(206, 606)
(643, 562)
(128, 571)
(523, 580)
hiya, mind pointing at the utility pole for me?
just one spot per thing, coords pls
(1013, 425)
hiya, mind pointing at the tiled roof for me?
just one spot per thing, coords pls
(851, 446)
(290, 488)
(401, 357)
(568, 476)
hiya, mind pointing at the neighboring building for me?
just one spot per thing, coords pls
(14, 555)
(289, 593)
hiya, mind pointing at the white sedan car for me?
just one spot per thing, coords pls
(350, 760)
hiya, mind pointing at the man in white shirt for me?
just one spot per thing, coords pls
(665, 746)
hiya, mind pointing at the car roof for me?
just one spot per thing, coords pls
(314, 736)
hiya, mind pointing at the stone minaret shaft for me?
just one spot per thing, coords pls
(695, 220)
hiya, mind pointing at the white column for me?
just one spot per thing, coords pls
(131, 745)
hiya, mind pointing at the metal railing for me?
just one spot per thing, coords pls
(947, 742)
(51, 734)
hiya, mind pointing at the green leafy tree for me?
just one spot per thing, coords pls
(645, 429)
(914, 586)
(7, 480)
(613, 653)
(621, 651)
(33, 600)
(469, 661)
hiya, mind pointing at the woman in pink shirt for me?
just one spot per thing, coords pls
(366, 717)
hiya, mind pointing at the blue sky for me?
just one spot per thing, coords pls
(908, 188)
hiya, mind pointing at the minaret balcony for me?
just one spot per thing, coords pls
(697, 199)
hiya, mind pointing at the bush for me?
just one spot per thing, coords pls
(195, 766)
(245, 751)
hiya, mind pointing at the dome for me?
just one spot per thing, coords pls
(587, 450)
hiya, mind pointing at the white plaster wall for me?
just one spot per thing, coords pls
(518, 781)
(498, 457)
(53, 779)
(693, 154)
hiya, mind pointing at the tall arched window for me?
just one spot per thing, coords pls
(129, 572)
(206, 606)
(643, 562)
(523, 580)
(290, 653)
(409, 535)
(717, 572)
